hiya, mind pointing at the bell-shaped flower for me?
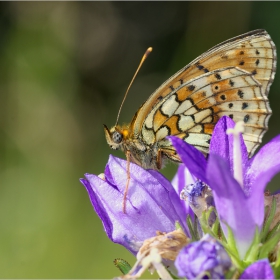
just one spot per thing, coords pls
(152, 203)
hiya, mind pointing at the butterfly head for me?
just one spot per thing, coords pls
(115, 136)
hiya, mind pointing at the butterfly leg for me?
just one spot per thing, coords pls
(127, 181)
(159, 159)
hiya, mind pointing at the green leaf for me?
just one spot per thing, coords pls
(178, 225)
(268, 220)
(204, 224)
(191, 228)
(196, 225)
(122, 265)
(277, 262)
(231, 242)
(216, 226)
(273, 231)
(253, 251)
(269, 245)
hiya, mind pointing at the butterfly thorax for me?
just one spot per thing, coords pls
(122, 138)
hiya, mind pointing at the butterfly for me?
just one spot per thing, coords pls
(231, 79)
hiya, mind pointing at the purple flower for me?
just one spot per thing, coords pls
(240, 208)
(258, 270)
(206, 257)
(152, 203)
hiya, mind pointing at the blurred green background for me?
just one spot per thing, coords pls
(64, 68)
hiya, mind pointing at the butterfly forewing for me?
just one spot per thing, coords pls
(232, 79)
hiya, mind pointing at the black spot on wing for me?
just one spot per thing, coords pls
(244, 105)
(218, 76)
(246, 118)
(240, 93)
(254, 72)
(191, 87)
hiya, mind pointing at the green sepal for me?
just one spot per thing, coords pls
(273, 231)
(276, 271)
(196, 224)
(214, 230)
(231, 242)
(276, 266)
(253, 251)
(232, 273)
(277, 262)
(208, 212)
(230, 246)
(122, 265)
(269, 245)
(193, 228)
(268, 221)
(216, 225)
(204, 224)
(178, 225)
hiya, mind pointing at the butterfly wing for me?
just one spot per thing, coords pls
(232, 79)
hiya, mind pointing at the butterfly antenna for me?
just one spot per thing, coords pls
(148, 51)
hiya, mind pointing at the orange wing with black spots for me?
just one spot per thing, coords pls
(232, 78)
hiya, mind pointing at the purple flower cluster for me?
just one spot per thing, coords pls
(154, 205)
(201, 258)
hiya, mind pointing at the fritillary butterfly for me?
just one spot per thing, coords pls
(231, 79)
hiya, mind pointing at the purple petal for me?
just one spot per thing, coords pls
(182, 178)
(148, 207)
(258, 270)
(97, 203)
(204, 256)
(264, 165)
(222, 144)
(231, 203)
(193, 159)
(180, 209)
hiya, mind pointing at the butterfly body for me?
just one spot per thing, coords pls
(232, 79)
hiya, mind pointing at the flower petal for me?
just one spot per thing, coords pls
(258, 270)
(182, 178)
(193, 159)
(231, 203)
(180, 209)
(222, 143)
(264, 165)
(149, 204)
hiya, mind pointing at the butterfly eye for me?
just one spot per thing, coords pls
(117, 137)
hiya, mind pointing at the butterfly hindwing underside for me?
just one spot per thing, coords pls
(231, 79)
